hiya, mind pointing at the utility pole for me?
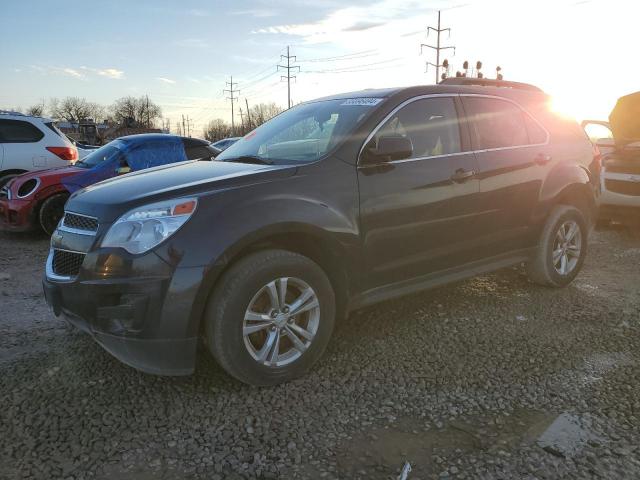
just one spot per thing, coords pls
(288, 67)
(183, 130)
(437, 48)
(242, 117)
(148, 117)
(232, 90)
(248, 114)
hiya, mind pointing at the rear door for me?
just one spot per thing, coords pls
(514, 158)
(417, 214)
(20, 139)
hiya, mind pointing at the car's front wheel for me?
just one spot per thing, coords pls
(270, 317)
(562, 248)
(51, 211)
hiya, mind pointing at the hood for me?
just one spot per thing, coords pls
(625, 120)
(109, 199)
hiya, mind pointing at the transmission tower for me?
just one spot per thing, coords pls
(232, 91)
(288, 67)
(438, 48)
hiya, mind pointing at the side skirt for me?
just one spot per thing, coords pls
(436, 279)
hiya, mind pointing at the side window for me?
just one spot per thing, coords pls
(496, 123)
(199, 152)
(536, 133)
(431, 124)
(17, 131)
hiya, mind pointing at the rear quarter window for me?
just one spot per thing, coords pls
(18, 131)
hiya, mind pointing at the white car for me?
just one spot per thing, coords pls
(619, 142)
(31, 143)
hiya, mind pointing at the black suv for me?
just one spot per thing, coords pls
(332, 205)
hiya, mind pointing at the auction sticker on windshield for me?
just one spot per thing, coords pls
(366, 102)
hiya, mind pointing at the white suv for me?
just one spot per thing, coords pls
(31, 143)
(619, 141)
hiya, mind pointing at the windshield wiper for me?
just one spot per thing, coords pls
(250, 159)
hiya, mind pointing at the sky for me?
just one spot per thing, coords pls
(181, 54)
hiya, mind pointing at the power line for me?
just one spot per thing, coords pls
(351, 67)
(347, 56)
(231, 90)
(437, 48)
(288, 76)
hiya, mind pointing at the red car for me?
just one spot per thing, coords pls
(37, 199)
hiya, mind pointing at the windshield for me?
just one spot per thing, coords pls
(103, 154)
(302, 134)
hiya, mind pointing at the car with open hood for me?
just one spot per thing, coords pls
(619, 142)
(332, 205)
(37, 199)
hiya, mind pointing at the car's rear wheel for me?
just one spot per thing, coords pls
(270, 317)
(562, 248)
(51, 211)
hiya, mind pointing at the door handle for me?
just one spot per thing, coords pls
(462, 175)
(542, 159)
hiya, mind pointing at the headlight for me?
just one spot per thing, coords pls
(145, 227)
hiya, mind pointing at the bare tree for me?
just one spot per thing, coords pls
(258, 114)
(75, 109)
(217, 130)
(139, 111)
(35, 110)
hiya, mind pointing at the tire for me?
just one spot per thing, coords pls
(245, 285)
(51, 212)
(4, 179)
(542, 269)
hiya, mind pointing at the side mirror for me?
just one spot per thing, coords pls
(122, 170)
(392, 147)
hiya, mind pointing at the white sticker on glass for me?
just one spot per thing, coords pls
(363, 102)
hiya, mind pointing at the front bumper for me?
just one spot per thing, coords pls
(139, 309)
(16, 215)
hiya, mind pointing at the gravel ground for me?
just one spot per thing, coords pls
(488, 378)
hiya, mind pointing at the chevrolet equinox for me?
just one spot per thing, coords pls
(333, 205)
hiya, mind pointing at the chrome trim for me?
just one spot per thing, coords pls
(89, 233)
(34, 189)
(50, 274)
(452, 95)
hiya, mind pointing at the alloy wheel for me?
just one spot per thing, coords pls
(567, 247)
(281, 321)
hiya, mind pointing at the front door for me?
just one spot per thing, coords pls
(417, 214)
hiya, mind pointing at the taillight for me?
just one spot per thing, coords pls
(65, 153)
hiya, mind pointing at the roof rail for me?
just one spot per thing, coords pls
(488, 82)
(9, 112)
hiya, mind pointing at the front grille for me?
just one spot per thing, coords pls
(80, 222)
(622, 187)
(67, 264)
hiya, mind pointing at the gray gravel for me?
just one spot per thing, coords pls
(488, 378)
